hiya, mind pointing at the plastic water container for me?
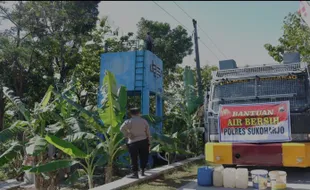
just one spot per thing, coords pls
(277, 180)
(218, 176)
(204, 176)
(229, 177)
(259, 179)
(242, 178)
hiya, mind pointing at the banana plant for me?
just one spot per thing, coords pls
(107, 120)
(87, 160)
(170, 145)
(47, 117)
(32, 129)
(112, 113)
(178, 108)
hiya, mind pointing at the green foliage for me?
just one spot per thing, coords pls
(10, 153)
(42, 47)
(36, 145)
(123, 44)
(179, 119)
(74, 153)
(16, 102)
(111, 113)
(295, 38)
(109, 103)
(58, 43)
(53, 166)
(87, 71)
(206, 75)
(65, 147)
(171, 45)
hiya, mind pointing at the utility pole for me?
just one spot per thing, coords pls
(197, 61)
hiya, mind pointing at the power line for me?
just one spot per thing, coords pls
(212, 41)
(170, 15)
(185, 28)
(201, 29)
(183, 10)
(209, 49)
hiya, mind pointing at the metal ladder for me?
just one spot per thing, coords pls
(139, 71)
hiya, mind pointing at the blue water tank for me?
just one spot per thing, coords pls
(227, 64)
(293, 57)
(205, 176)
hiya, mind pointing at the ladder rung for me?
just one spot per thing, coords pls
(140, 67)
(139, 55)
(139, 62)
(139, 79)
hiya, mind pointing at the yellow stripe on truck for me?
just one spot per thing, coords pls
(296, 154)
(219, 153)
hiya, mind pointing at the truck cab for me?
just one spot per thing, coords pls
(255, 85)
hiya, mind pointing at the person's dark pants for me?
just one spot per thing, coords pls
(139, 149)
(149, 47)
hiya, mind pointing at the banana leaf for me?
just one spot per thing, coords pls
(110, 104)
(47, 97)
(102, 160)
(122, 101)
(11, 132)
(53, 166)
(162, 139)
(75, 176)
(55, 128)
(10, 153)
(75, 124)
(65, 147)
(17, 103)
(80, 136)
(152, 119)
(86, 114)
(36, 145)
(191, 131)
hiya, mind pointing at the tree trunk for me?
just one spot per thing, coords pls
(108, 173)
(2, 105)
(45, 184)
(90, 181)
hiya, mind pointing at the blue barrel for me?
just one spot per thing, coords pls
(205, 176)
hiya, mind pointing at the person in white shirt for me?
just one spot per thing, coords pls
(137, 132)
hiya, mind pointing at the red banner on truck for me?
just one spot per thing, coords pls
(254, 123)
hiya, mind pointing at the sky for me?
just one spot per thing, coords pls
(238, 28)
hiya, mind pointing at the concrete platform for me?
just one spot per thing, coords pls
(194, 186)
(10, 184)
(150, 174)
(297, 178)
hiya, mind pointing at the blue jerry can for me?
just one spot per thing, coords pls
(205, 176)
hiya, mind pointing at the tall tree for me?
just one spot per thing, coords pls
(62, 25)
(206, 75)
(171, 45)
(87, 71)
(295, 38)
(43, 45)
(15, 54)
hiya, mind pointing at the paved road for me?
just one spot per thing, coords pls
(297, 178)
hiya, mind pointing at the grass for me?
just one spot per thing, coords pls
(3, 176)
(172, 180)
